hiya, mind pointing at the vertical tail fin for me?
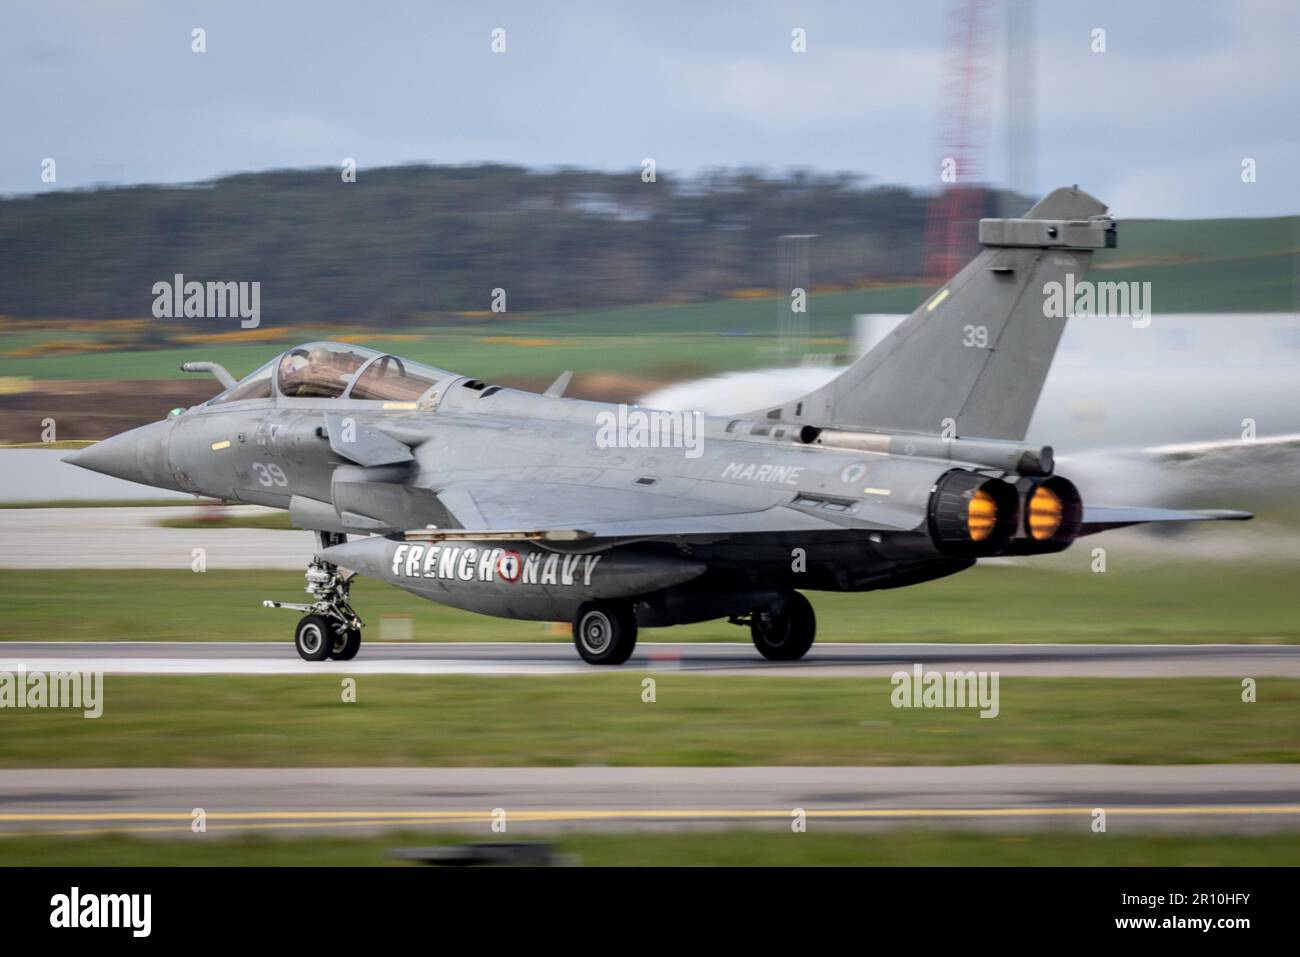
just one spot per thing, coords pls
(978, 350)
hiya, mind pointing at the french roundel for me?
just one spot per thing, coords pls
(509, 566)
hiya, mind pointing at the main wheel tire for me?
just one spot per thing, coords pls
(785, 635)
(604, 633)
(314, 637)
(346, 644)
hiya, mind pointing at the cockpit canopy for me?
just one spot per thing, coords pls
(335, 370)
(322, 370)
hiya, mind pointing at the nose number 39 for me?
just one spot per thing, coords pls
(270, 474)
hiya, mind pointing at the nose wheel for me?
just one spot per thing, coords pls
(318, 637)
(330, 629)
(346, 644)
(314, 638)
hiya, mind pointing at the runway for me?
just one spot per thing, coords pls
(532, 800)
(831, 660)
(130, 537)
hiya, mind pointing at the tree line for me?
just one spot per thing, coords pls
(424, 242)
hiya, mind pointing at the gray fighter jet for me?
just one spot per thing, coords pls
(908, 467)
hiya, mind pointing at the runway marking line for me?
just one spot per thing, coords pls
(362, 819)
(282, 818)
(183, 828)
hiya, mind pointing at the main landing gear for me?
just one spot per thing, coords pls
(330, 629)
(785, 634)
(604, 632)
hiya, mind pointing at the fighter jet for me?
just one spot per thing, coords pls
(908, 467)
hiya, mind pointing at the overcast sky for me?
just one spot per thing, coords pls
(1158, 125)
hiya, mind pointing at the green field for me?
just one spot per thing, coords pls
(918, 848)
(278, 520)
(1204, 240)
(646, 353)
(1054, 599)
(696, 720)
(63, 445)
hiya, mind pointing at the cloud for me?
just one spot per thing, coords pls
(1156, 126)
(801, 91)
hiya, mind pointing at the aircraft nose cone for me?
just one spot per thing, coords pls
(139, 455)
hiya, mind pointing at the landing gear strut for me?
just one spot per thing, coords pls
(330, 629)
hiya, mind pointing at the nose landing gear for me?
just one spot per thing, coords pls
(330, 629)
